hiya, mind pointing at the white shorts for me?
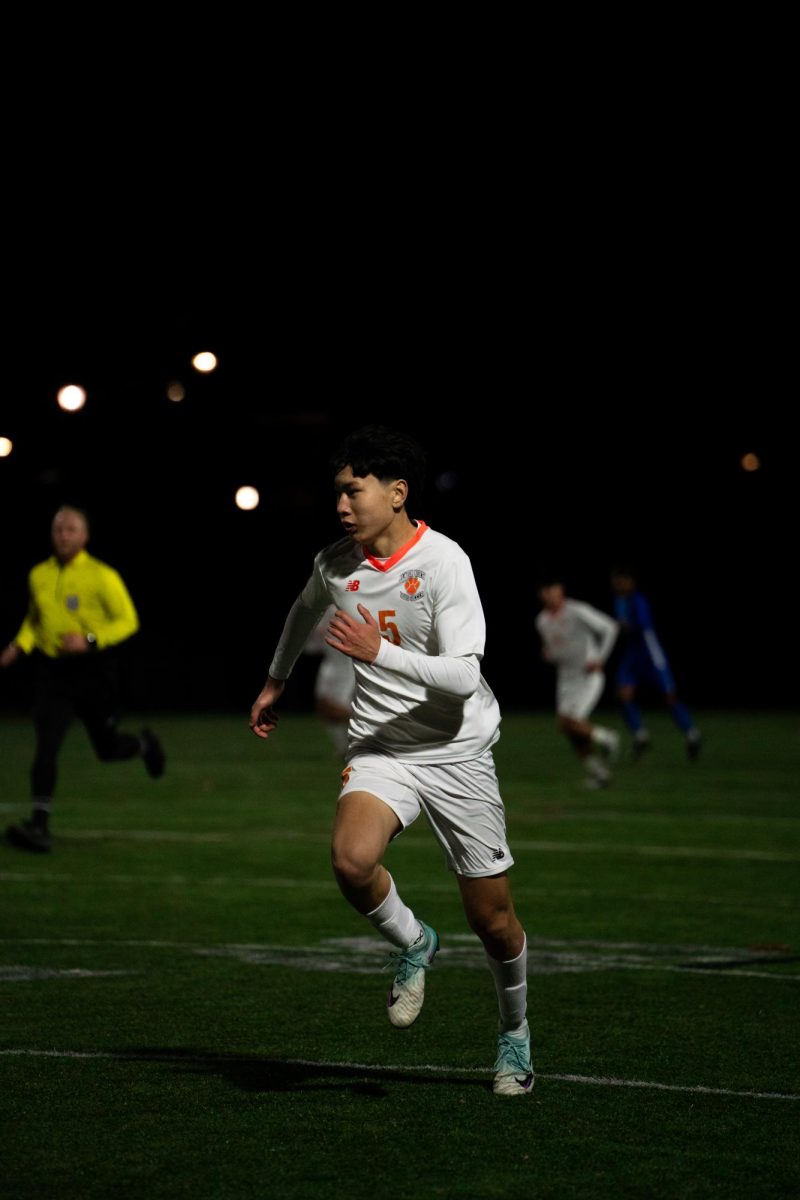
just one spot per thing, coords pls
(461, 801)
(578, 693)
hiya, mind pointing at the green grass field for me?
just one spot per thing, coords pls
(189, 1008)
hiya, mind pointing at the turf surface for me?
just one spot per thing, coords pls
(190, 1008)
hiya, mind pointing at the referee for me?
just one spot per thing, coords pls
(79, 611)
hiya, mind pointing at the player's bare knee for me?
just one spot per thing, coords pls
(491, 924)
(352, 865)
(571, 728)
(580, 740)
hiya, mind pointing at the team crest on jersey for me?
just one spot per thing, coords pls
(72, 603)
(412, 585)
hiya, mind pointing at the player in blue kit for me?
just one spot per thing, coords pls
(408, 616)
(644, 662)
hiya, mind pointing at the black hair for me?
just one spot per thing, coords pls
(382, 452)
(547, 576)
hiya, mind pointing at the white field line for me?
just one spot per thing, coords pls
(614, 817)
(325, 885)
(728, 973)
(20, 974)
(400, 1069)
(328, 885)
(656, 851)
(377, 944)
(714, 853)
(547, 956)
(166, 835)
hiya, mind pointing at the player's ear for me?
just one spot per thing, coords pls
(399, 494)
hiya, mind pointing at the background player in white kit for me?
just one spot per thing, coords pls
(578, 639)
(423, 723)
(334, 685)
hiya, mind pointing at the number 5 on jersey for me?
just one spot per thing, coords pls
(389, 627)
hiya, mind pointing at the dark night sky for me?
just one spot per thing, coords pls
(584, 323)
(576, 436)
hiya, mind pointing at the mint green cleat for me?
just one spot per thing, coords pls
(407, 992)
(514, 1073)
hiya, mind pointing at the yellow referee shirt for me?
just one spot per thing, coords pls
(81, 596)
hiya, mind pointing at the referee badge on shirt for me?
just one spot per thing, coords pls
(412, 585)
(72, 603)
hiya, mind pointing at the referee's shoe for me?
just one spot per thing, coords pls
(28, 836)
(153, 753)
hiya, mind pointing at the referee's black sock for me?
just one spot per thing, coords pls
(41, 814)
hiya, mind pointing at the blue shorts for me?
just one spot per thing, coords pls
(636, 667)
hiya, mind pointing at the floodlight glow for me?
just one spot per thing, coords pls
(71, 398)
(6, 446)
(176, 391)
(751, 462)
(204, 362)
(247, 498)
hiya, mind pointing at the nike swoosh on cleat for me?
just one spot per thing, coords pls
(392, 1000)
(525, 1082)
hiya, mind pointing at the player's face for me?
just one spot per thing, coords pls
(365, 506)
(70, 534)
(552, 596)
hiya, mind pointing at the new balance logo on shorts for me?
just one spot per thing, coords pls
(498, 854)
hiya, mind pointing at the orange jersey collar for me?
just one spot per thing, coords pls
(386, 564)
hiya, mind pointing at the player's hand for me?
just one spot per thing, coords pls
(592, 666)
(263, 718)
(361, 640)
(74, 643)
(9, 654)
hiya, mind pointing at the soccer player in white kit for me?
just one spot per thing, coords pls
(334, 685)
(578, 639)
(409, 616)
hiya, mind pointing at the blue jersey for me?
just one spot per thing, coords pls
(643, 659)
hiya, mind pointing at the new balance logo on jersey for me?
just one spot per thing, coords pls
(498, 853)
(352, 585)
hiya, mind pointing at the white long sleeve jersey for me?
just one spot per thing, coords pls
(576, 634)
(424, 698)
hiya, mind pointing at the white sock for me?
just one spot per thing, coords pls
(511, 985)
(395, 920)
(602, 737)
(595, 769)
